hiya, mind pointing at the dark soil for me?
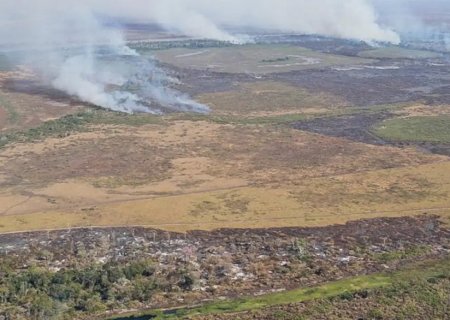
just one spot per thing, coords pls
(353, 127)
(358, 127)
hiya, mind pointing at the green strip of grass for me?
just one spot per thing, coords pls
(415, 129)
(284, 118)
(80, 121)
(77, 123)
(329, 290)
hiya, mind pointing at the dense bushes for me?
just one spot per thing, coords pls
(40, 294)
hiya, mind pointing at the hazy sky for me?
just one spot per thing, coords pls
(366, 20)
(54, 24)
(355, 19)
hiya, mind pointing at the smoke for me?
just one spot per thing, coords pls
(351, 19)
(76, 51)
(426, 22)
(72, 50)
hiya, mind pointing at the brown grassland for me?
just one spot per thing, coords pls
(243, 165)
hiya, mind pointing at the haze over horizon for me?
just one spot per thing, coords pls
(48, 25)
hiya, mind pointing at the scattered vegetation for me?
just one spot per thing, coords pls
(13, 115)
(424, 288)
(38, 293)
(406, 253)
(146, 46)
(275, 60)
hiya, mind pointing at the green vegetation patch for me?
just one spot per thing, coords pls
(145, 46)
(283, 118)
(80, 122)
(77, 122)
(406, 253)
(415, 129)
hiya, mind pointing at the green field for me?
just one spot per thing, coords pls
(416, 129)
(398, 53)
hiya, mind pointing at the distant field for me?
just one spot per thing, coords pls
(257, 59)
(416, 129)
(270, 98)
(398, 53)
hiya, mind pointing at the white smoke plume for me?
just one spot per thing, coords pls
(68, 45)
(351, 19)
(68, 41)
(425, 20)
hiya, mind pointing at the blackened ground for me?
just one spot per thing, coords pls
(386, 82)
(412, 81)
(358, 127)
(353, 127)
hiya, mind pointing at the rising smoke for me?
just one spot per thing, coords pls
(69, 46)
(425, 21)
(350, 19)
(76, 52)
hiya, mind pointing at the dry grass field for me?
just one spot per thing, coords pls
(183, 175)
(243, 165)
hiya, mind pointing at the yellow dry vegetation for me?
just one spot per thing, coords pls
(313, 202)
(204, 174)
